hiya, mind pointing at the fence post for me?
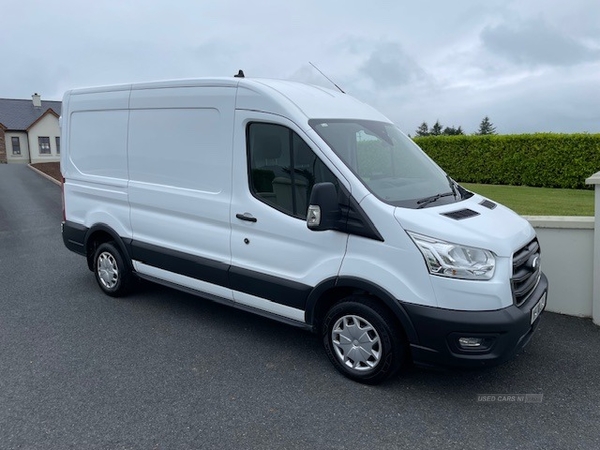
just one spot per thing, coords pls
(595, 180)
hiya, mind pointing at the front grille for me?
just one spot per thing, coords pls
(526, 271)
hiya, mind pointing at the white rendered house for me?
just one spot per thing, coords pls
(29, 130)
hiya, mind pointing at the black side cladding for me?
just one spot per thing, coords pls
(181, 263)
(278, 290)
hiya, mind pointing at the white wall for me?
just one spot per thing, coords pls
(567, 260)
(24, 157)
(46, 126)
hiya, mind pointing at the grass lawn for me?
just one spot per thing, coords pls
(525, 200)
(530, 201)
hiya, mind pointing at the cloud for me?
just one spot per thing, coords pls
(529, 65)
(390, 66)
(215, 57)
(307, 74)
(534, 42)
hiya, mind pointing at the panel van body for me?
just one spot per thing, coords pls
(302, 204)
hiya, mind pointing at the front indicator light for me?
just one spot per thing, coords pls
(313, 216)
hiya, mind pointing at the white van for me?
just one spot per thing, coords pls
(301, 204)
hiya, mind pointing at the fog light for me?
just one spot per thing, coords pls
(470, 342)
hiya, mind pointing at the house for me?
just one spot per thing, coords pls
(29, 130)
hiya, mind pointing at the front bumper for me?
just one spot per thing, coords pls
(504, 332)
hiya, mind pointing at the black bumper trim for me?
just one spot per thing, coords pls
(509, 330)
(73, 235)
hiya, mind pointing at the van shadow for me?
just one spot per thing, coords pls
(305, 348)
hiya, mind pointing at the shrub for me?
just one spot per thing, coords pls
(538, 160)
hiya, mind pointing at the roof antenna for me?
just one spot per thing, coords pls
(240, 74)
(328, 79)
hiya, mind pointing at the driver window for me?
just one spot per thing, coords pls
(283, 168)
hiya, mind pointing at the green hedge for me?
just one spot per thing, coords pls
(539, 160)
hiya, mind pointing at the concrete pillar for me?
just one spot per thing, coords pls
(595, 180)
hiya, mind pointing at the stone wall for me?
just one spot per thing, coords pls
(2, 147)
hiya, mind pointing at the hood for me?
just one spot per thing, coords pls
(475, 222)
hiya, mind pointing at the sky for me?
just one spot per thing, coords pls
(529, 65)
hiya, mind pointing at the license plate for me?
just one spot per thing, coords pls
(538, 308)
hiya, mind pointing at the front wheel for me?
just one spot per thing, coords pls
(112, 273)
(361, 340)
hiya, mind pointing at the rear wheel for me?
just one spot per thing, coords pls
(361, 340)
(112, 273)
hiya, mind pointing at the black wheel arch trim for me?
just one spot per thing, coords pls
(358, 283)
(124, 245)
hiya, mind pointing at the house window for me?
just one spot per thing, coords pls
(57, 145)
(44, 143)
(16, 145)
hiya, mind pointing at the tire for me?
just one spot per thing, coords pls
(362, 341)
(112, 273)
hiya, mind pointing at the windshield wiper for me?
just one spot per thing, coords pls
(427, 200)
(452, 184)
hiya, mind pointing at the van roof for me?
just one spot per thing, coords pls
(313, 101)
(275, 95)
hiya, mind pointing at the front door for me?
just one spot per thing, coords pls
(276, 259)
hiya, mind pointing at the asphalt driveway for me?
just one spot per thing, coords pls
(162, 369)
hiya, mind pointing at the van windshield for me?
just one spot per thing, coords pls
(389, 164)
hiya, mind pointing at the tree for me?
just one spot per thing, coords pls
(451, 131)
(423, 130)
(486, 127)
(436, 129)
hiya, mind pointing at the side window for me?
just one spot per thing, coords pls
(44, 143)
(16, 145)
(283, 168)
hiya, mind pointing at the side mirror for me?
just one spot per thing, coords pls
(323, 210)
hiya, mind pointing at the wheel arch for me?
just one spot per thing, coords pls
(100, 233)
(332, 290)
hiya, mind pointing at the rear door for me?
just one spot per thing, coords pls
(276, 259)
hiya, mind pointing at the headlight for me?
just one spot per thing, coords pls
(456, 261)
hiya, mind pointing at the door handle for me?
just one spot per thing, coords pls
(246, 216)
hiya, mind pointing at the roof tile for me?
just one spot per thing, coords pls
(18, 115)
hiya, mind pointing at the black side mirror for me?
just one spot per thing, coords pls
(323, 210)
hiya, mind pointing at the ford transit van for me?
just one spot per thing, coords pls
(302, 204)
